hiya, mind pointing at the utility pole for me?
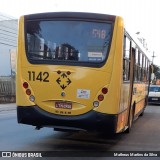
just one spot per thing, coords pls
(153, 57)
(153, 77)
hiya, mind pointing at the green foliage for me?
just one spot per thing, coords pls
(156, 71)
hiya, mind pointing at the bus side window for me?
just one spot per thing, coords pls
(145, 69)
(126, 59)
(139, 66)
(136, 65)
(147, 65)
(142, 65)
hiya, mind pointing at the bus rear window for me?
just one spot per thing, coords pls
(68, 41)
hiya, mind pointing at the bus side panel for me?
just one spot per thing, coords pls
(122, 89)
(116, 101)
(21, 98)
(139, 97)
(124, 104)
(111, 104)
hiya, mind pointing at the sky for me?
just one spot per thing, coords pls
(139, 15)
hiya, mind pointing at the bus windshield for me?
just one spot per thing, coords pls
(68, 41)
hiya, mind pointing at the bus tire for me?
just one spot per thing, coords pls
(142, 113)
(130, 120)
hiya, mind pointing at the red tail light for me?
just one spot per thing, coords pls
(28, 92)
(100, 97)
(25, 85)
(104, 90)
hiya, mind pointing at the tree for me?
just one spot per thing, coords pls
(156, 71)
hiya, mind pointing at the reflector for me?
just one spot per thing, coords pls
(68, 72)
(59, 72)
(32, 98)
(95, 103)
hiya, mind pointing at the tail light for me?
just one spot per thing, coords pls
(100, 97)
(104, 90)
(25, 85)
(28, 92)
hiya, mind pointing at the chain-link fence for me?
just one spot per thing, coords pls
(7, 89)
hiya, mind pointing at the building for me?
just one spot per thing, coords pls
(8, 43)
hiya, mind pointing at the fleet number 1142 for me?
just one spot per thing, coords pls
(41, 76)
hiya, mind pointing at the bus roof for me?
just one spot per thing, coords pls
(83, 15)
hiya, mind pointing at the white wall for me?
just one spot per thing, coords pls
(8, 41)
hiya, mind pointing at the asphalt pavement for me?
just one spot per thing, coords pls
(7, 107)
(144, 136)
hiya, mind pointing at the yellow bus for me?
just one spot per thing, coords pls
(79, 72)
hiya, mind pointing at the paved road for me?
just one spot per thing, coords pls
(145, 136)
(7, 107)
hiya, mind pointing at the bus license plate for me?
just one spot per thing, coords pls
(63, 105)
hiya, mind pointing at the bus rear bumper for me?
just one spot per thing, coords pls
(91, 121)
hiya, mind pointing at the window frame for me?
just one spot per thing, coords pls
(73, 63)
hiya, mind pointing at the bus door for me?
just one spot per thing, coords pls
(128, 78)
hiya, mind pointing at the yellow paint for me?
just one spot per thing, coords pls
(122, 119)
(92, 79)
